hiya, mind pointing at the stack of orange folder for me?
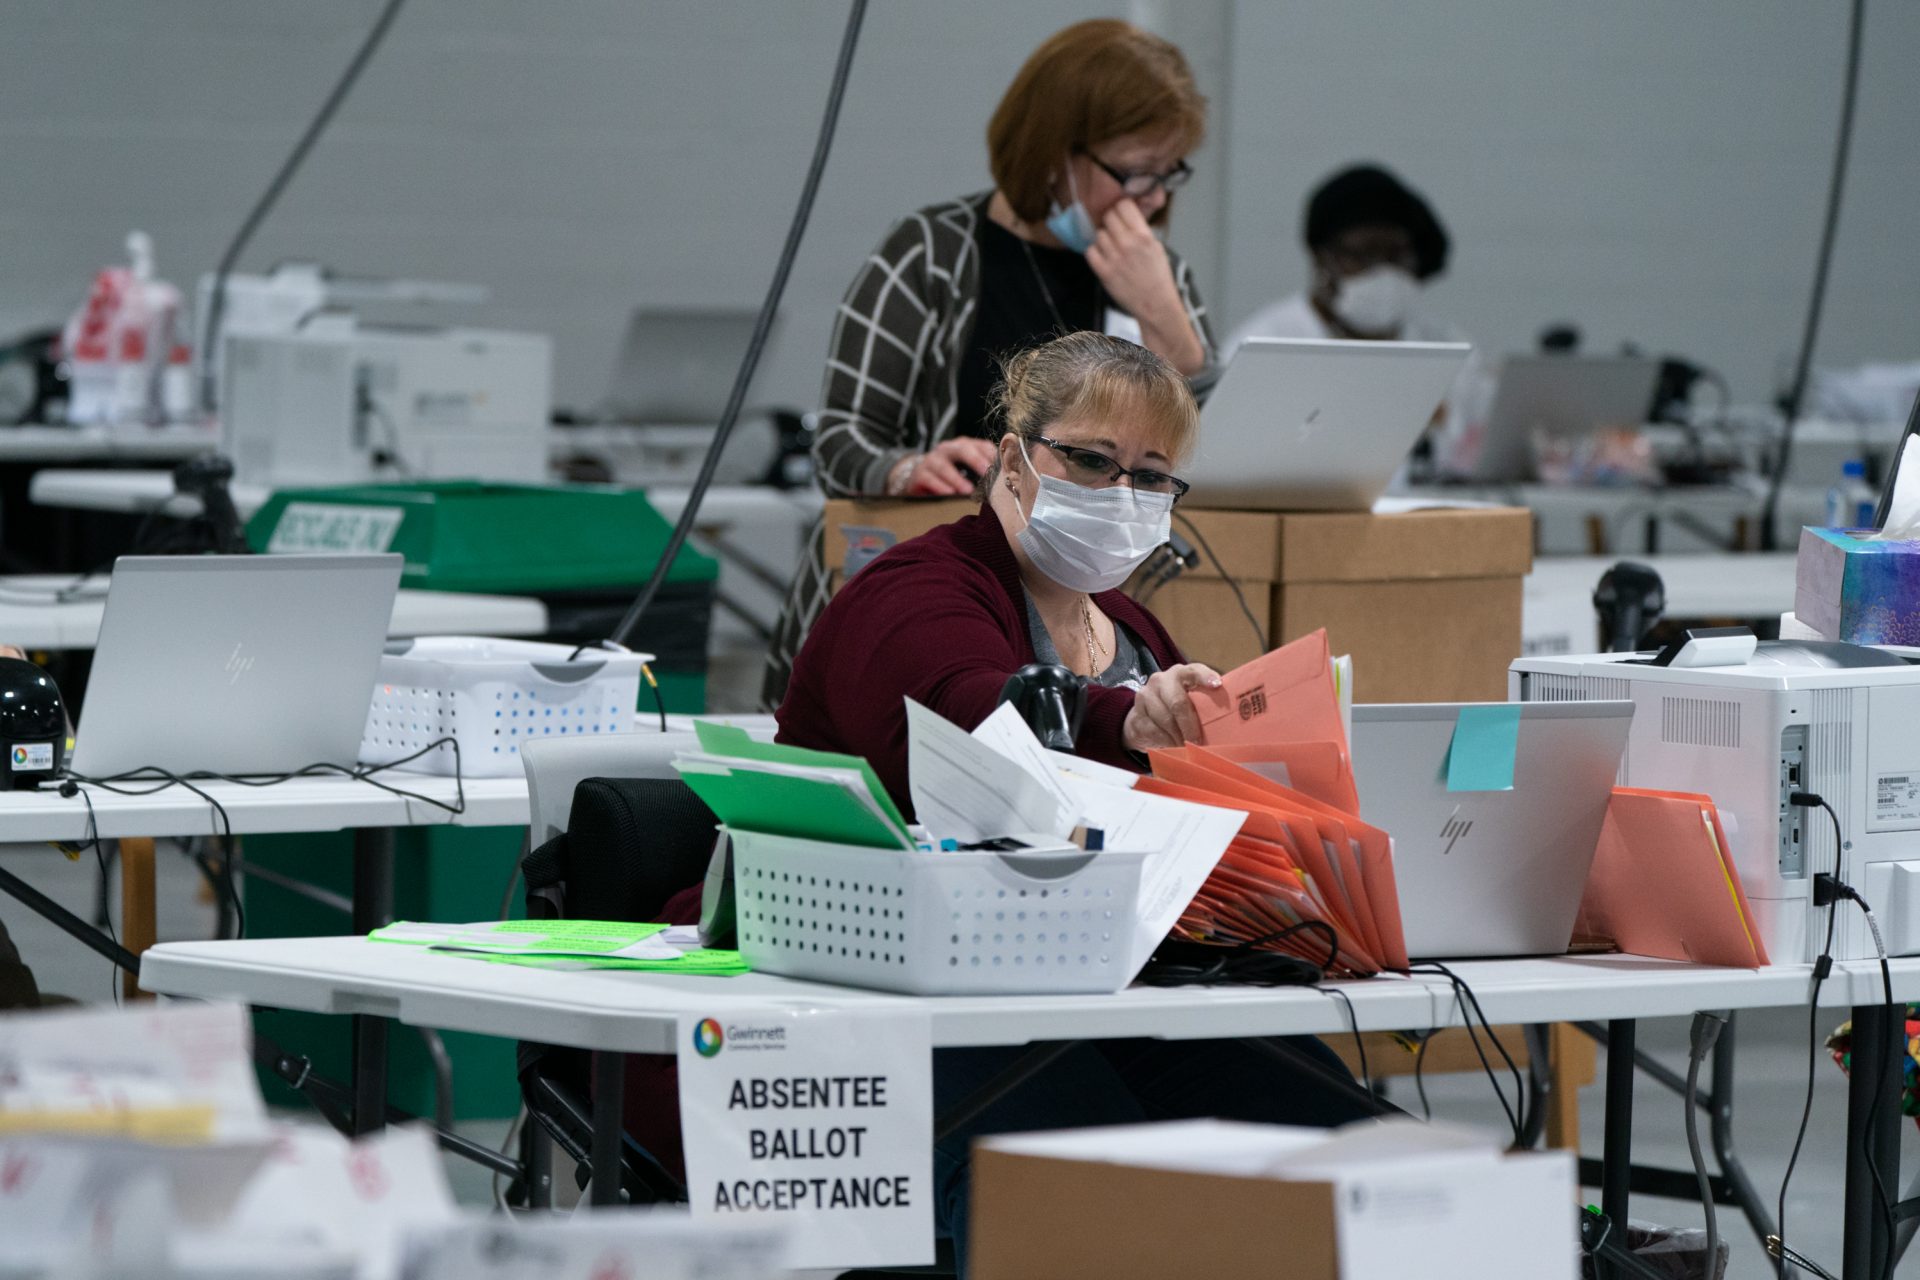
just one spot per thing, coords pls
(1664, 883)
(1273, 745)
(1297, 858)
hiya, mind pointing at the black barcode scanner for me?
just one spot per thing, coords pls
(1052, 700)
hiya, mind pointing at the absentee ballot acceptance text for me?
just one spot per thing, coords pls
(782, 1093)
(819, 1118)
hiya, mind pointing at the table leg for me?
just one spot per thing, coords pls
(138, 925)
(609, 1124)
(1616, 1153)
(372, 907)
(1864, 1229)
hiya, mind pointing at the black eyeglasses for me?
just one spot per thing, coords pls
(1090, 466)
(1140, 185)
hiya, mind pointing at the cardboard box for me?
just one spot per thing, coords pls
(1211, 1198)
(857, 530)
(1858, 590)
(1427, 602)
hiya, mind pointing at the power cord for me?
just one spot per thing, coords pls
(91, 840)
(659, 702)
(762, 327)
(72, 784)
(1702, 1035)
(217, 298)
(1828, 891)
(1184, 963)
(1470, 1009)
(1359, 1041)
(1803, 364)
(1259, 632)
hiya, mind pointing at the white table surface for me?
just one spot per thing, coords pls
(639, 1012)
(1747, 585)
(32, 619)
(143, 491)
(83, 444)
(300, 804)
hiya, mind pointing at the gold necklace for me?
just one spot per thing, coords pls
(1093, 645)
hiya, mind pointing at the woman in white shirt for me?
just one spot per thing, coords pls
(1373, 243)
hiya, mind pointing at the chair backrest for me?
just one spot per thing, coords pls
(632, 844)
(556, 766)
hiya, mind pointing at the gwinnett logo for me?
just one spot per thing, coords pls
(707, 1039)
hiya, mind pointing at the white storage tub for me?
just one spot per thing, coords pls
(934, 923)
(490, 696)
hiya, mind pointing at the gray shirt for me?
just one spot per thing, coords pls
(1131, 665)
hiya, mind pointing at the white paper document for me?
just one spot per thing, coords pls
(966, 790)
(1183, 843)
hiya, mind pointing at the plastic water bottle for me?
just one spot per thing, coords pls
(1850, 503)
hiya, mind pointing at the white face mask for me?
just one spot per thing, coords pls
(1092, 539)
(1378, 300)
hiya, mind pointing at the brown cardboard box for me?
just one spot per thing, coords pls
(1427, 602)
(859, 529)
(1145, 1202)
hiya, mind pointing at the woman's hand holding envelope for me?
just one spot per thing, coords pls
(1163, 713)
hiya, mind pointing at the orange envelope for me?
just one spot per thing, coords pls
(1296, 831)
(1364, 852)
(1319, 769)
(1664, 884)
(1285, 696)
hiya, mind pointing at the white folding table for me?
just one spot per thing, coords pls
(62, 611)
(618, 1013)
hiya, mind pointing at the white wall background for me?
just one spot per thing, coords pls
(1650, 171)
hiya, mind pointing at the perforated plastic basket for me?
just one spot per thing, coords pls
(490, 696)
(969, 923)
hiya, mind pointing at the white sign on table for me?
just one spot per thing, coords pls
(341, 530)
(819, 1121)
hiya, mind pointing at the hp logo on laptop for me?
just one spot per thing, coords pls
(1453, 829)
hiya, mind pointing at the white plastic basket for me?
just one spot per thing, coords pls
(963, 923)
(490, 696)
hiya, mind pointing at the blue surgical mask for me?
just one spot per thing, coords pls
(1072, 226)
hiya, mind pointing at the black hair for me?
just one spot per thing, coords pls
(1368, 193)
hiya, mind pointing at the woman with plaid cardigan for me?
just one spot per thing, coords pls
(1085, 148)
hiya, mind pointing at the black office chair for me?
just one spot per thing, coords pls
(630, 844)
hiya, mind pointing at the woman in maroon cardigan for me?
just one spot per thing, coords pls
(1078, 496)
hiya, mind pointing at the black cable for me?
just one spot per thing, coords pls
(1359, 1041)
(91, 840)
(762, 327)
(1822, 965)
(659, 702)
(217, 301)
(1183, 963)
(1470, 1009)
(1259, 632)
(1803, 364)
(166, 778)
(1419, 1079)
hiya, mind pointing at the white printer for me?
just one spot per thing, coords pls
(1749, 722)
(340, 401)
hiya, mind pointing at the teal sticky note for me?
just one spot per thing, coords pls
(1485, 741)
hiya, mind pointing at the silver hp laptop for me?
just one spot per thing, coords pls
(1561, 395)
(1490, 873)
(235, 664)
(1302, 425)
(677, 365)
